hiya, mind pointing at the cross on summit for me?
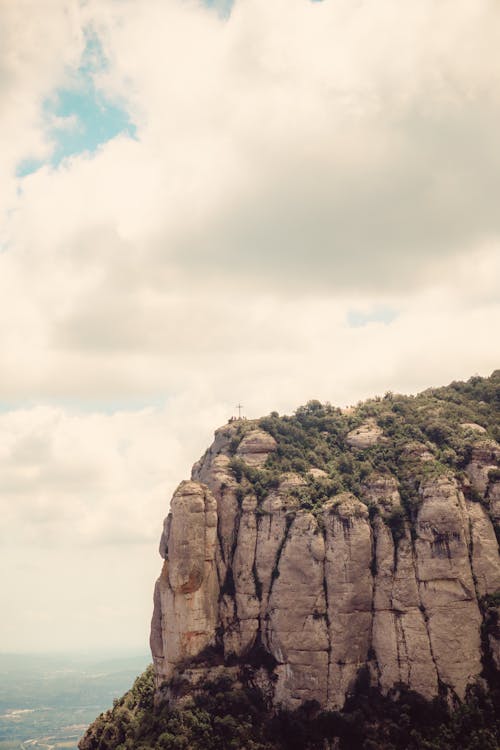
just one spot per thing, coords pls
(239, 407)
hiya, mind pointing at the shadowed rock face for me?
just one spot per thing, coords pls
(329, 591)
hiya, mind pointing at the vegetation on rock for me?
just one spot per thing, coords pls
(369, 466)
(441, 420)
(224, 717)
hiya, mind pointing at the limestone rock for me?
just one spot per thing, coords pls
(213, 470)
(256, 447)
(382, 490)
(290, 481)
(494, 500)
(485, 456)
(484, 550)
(314, 597)
(163, 548)
(274, 520)
(349, 587)
(365, 435)
(472, 426)
(203, 468)
(417, 452)
(242, 632)
(185, 615)
(400, 639)
(296, 632)
(494, 637)
(446, 584)
(317, 473)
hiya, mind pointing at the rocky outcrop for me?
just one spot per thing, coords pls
(485, 457)
(472, 426)
(349, 590)
(295, 621)
(400, 638)
(186, 594)
(365, 435)
(256, 447)
(314, 596)
(446, 584)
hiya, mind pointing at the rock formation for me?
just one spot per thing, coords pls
(315, 594)
(326, 575)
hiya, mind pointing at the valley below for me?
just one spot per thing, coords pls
(47, 702)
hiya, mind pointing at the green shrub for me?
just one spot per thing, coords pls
(225, 717)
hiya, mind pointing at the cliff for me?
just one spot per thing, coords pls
(309, 553)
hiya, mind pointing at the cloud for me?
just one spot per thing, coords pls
(82, 496)
(40, 41)
(358, 318)
(355, 138)
(294, 164)
(102, 477)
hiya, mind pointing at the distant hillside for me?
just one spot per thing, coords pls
(55, 696)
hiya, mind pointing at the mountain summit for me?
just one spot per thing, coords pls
(317, 557)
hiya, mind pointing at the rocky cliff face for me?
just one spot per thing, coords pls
(322, 549)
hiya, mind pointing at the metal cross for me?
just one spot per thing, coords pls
(239, 407)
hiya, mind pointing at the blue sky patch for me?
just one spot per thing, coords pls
(27, 166)
(223, 7)
(358, 318)
(80, 118)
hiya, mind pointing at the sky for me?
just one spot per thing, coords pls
(265, 201)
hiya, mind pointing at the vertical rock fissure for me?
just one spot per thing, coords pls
(402, 634)
(220, 545)
(228, 586)
(373, 566)
(413, 538)
(433, 656)
(237, 522)
(257, 582)
(219, 532)
(395, 547)
(486, 654)
(470, 549)
(423, 609)
(328, 584)
(327, 620)
(288, 523)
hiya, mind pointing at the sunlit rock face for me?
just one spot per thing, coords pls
(379, 582)
(186, 594)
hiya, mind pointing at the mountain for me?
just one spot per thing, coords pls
(331, 577)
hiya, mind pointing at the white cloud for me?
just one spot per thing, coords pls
(81, 498)
(292, 163)
(39, 43)
(355, 132)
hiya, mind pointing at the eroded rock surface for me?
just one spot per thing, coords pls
(314, 596)
(187, 592)
(365, 435)
(255, 447)
(472, 426)
(485, 457)
(349, 587)
(446, 584)
(296, 627)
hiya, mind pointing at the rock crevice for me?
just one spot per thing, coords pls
(357, 584)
